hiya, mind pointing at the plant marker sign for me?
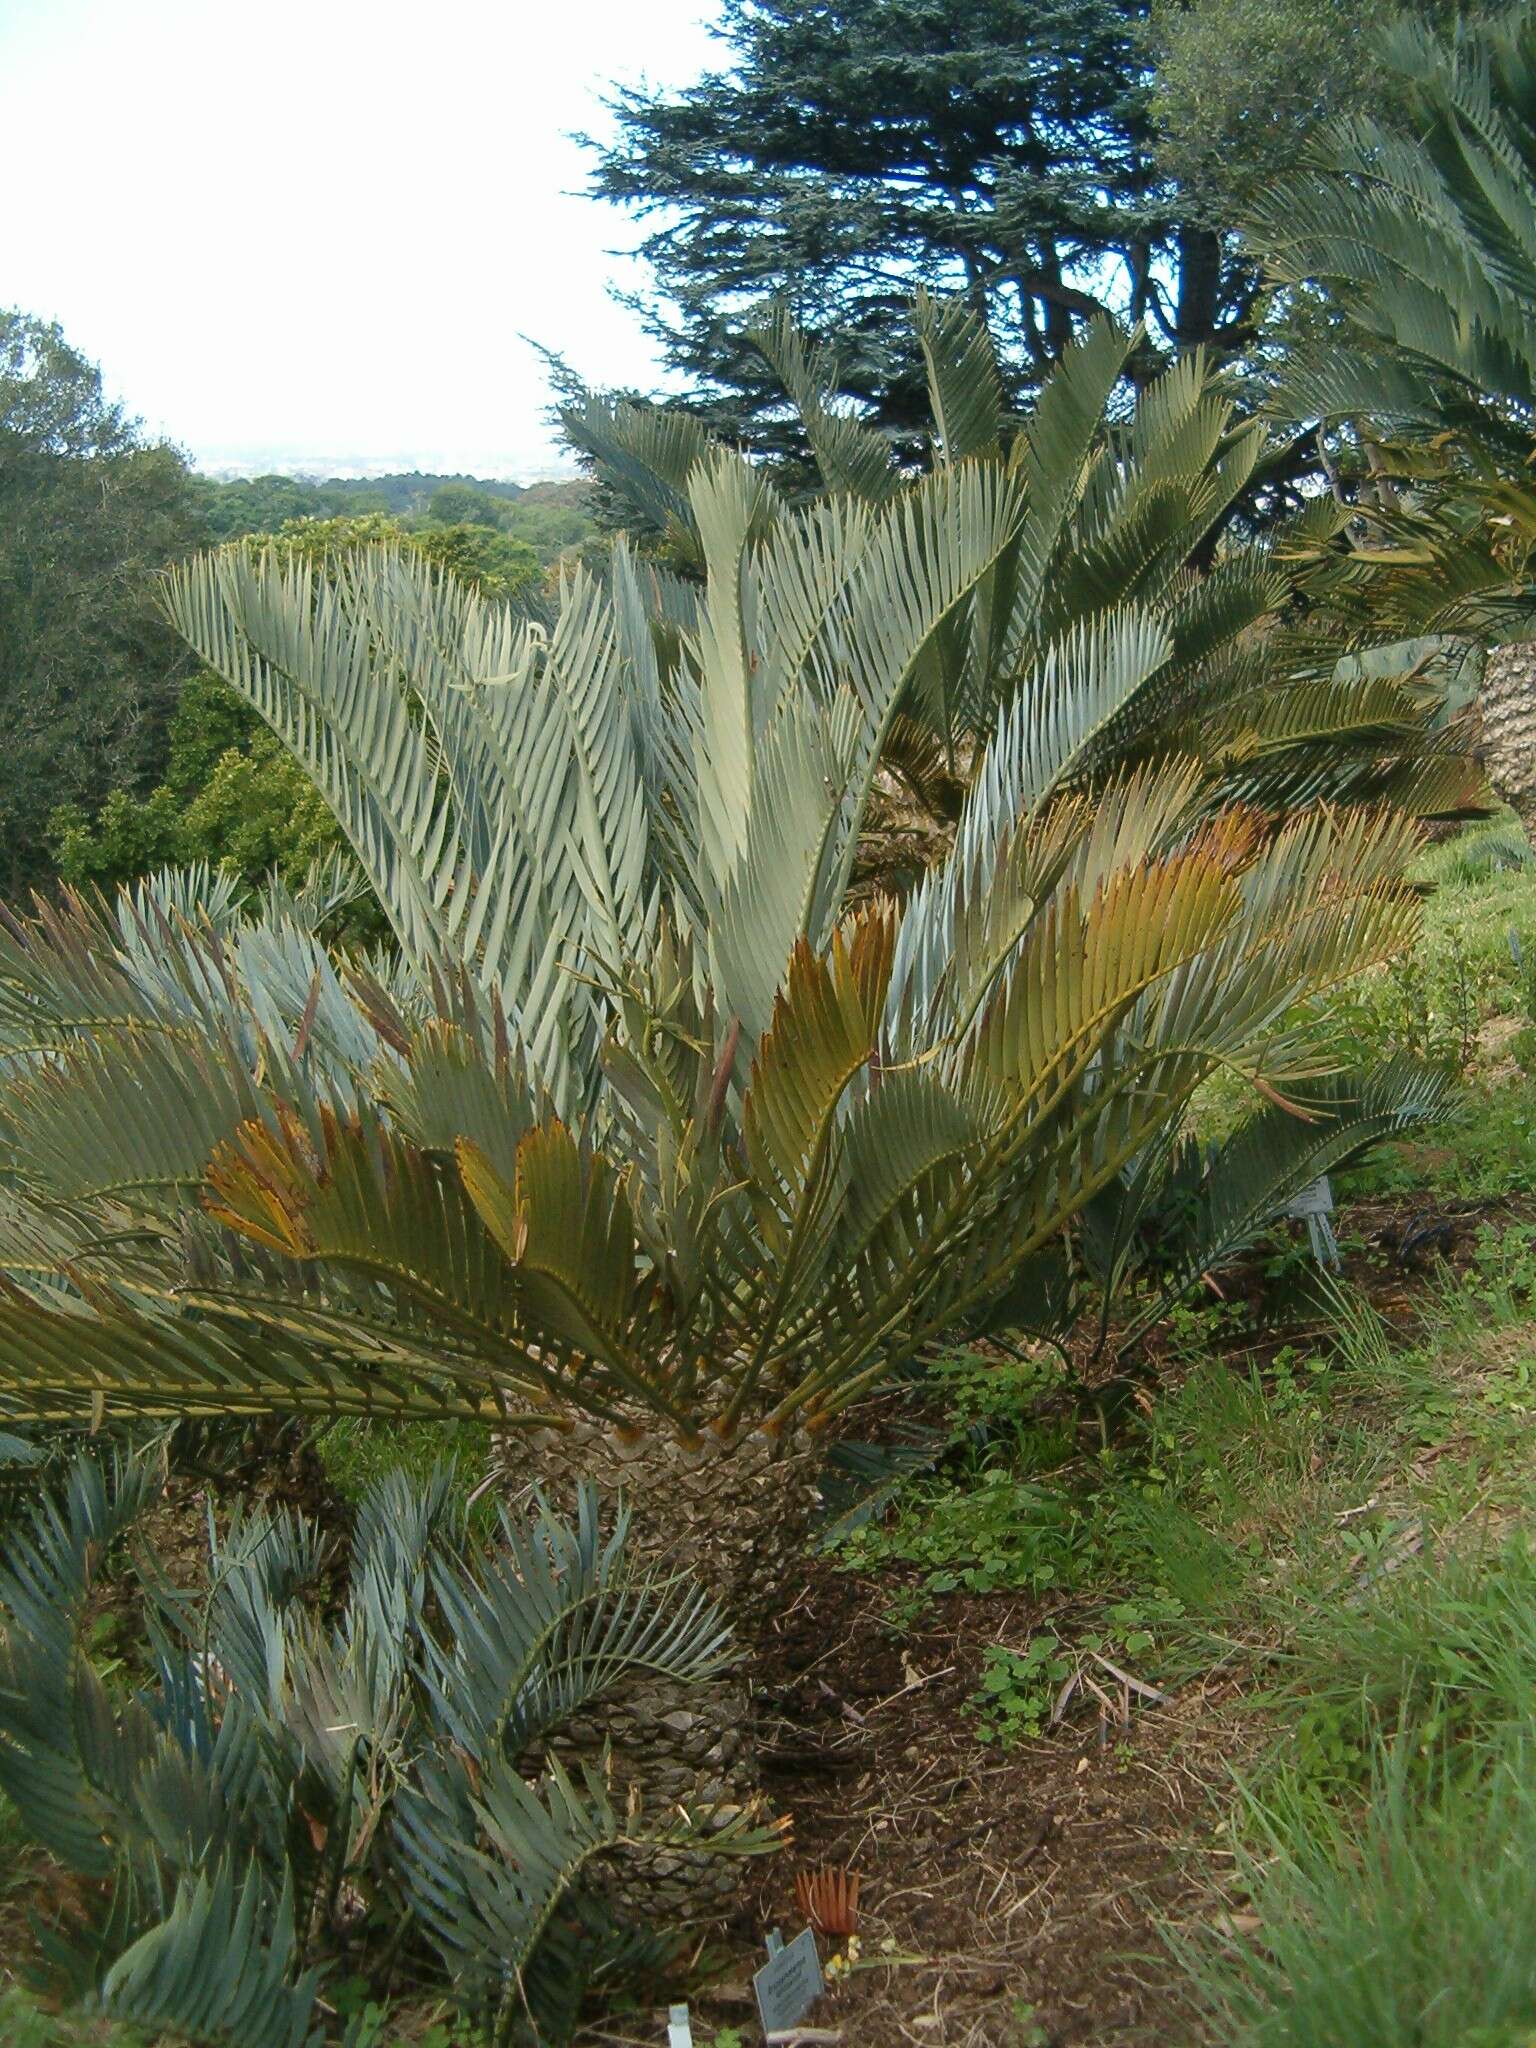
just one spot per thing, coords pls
(789, 1983)
(1314, 1207)
(679, 2028)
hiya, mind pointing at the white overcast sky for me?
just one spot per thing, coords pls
(311, 232)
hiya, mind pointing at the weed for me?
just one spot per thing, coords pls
(1019, 1688)
(1154, 1543)
(24, 2024)
(996, 1402)
(1193, 1330)
(994, 1533)
(1428, 1001)
(1025, 2030)
(356, 1453)
(906, 1608)
(1496, 1289)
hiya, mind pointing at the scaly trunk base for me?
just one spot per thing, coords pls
(733, 1517)
(1506, 743)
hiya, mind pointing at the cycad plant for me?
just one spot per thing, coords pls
(640, 1144)
(1421, 224)
(277, 1799)
(1124, 502)
(1183, 1210)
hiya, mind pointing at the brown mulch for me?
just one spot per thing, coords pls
(1036, 1877)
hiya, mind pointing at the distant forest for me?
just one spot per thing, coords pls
(209, 782)
(121, 755)
(548, 516)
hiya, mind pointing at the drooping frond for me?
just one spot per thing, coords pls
(1191, 1210)
(271, 1764)
(64, 1792)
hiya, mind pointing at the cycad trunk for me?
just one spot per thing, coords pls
(1507, 741)
(733, 1517)
(732, 1514)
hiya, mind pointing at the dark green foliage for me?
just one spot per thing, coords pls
(547, 516)
(230, 797)
(490, 561)
(282, 1789)
(1242, 85)
(411, 491)
(261, 504)
(89, 513)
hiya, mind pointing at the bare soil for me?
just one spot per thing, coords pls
(1035, 1878)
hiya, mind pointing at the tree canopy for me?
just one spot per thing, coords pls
(89, 513)
(1047, 160)
(847, 151)
(1241, 86)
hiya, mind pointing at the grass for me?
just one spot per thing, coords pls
(1384, 1865)
(355, 1453)
(25, 2024)
(1407, 1928)
(1432, 1658)
(1350, 1521)
(1349, 1526)
(1462, 998)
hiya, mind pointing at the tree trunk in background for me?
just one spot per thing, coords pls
(734, 1518)
(1506, 745)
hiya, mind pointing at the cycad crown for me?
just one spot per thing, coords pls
(638, 1119)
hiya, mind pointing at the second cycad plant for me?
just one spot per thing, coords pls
(282, 1800)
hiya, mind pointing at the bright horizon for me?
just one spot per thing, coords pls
(313, 237)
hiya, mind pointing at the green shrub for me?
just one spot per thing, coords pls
(231, 797)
